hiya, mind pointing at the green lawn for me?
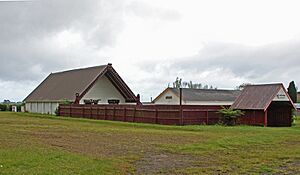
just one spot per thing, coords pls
(40, 144)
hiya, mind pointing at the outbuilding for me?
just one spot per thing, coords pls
(217, 97)
(93, 85)
(265, 104)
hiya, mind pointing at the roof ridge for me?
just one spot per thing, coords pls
(265, 84)
(64, 85)
(208, 89)
(78, 69)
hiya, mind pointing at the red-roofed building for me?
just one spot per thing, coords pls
(266, 104)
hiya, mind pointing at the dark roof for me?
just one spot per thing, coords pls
(257, 96)
(206, 94)
(64, 85)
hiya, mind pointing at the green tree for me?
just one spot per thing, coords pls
(292, 91)
(242, 86)
(3, 107)
(190, 84)
(177, 83)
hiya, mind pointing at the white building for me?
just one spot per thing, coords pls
(171, 96)
(100, 84)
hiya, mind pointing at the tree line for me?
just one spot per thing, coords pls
(178, 83)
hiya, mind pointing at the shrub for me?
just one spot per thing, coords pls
(65, 102)
(19, 108)
(56, 112)
(293, 120)
(230, 116)
(9, 108)
(3, 107)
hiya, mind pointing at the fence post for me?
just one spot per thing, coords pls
(70, 106)
(134, 114)
(91, 116)
(58, 110)
(105, 113)
(207, 117)
(83, 111)
(124, 119)
(156, 116)
(97, 116)
(114, 113)
(180, 106)
(180, 114)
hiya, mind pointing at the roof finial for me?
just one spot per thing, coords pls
(109, 64)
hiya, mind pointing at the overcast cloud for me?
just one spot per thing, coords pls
(149, 44)
(225, 65)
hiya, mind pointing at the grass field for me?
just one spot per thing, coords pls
(40, 144)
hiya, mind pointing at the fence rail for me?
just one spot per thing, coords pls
(156, 114)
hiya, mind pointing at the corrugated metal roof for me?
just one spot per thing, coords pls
(207, 94)
(257, 96)
(64, 85)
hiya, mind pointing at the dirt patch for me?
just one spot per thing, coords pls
(292, 142)
(108, 144)
(142, 146)
(164, 163)
(290, 167)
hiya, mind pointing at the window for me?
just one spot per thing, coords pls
(168, 97)
(113, 101)
(91, 101)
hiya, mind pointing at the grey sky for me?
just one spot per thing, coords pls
(150, 44)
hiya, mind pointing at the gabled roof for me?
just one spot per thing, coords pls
(258, 97)
(189, 94)
(64, 85)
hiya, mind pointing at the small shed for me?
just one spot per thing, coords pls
(265, 104)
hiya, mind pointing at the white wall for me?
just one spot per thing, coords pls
(209, 103)
(162, 99)
(104, 90)
(281, 96)
(47, 108)
(175, 100)
(33, 107)
(27, 107)
(41, 107)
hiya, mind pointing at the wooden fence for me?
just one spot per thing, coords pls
(156, 114)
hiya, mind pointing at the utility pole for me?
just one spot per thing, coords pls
(180, 106)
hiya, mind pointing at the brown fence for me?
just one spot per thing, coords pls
(156, 114)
